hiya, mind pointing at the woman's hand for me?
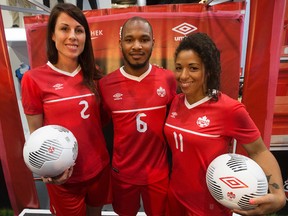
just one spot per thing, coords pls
(60, 179)
(267, 204)
(276, 198)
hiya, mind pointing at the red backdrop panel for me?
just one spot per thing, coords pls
(262, 62)
(19, 180)
(170, 24)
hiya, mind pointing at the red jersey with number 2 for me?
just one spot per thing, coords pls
(63, 100)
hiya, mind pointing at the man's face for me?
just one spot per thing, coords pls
(136, 45)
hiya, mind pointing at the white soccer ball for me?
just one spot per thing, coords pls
(50, 150)
(233, 179)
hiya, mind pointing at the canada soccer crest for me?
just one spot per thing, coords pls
(161, 92)
(203, 121)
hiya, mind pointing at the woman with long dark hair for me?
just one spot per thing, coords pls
(64, 92)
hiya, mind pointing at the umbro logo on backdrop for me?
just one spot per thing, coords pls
(184, 29)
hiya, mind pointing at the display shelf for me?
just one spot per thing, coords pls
(15, 36)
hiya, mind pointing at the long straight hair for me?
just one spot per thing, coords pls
(86, 58)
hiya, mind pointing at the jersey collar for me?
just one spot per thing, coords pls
(135, 78)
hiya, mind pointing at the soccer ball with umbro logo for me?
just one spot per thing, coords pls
(234, 179)
(50, 150)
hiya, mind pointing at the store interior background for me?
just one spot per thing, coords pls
(16, 41)
(7, 19)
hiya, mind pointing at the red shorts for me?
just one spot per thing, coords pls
(71, 199)
(174, 207)
(127, 198)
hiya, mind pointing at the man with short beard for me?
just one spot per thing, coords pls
(136, 97)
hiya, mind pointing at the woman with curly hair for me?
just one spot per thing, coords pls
(201, 125)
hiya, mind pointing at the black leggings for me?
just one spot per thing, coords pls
(47, 2)
(93, 4)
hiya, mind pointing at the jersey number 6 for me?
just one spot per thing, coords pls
(141, 125)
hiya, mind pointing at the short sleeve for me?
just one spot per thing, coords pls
(241, 126)
(31, 96)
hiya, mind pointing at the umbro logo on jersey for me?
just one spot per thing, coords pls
(117, 96)
(58, 86)
(161, 92)
(203, 121)
(173, 114)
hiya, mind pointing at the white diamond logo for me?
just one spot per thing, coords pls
(233, 182)
(184, 28)
(118, 96)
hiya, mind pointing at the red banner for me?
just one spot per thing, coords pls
(262, 62)
(19, 180)
(170, 24)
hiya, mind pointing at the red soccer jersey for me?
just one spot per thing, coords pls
(197, 134)
(138, 106)
(63, 100)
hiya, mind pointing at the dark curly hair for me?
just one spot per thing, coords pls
(210, 56)
(86, 58)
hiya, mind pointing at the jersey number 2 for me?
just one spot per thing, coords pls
(86, 105)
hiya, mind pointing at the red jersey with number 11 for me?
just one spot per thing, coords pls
(198, 133)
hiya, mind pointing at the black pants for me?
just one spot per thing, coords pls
(47, 2)
(93, 4)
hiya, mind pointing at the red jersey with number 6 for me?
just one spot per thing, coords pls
(138, 106)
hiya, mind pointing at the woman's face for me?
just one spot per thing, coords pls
(69, 37)
(190, 75)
